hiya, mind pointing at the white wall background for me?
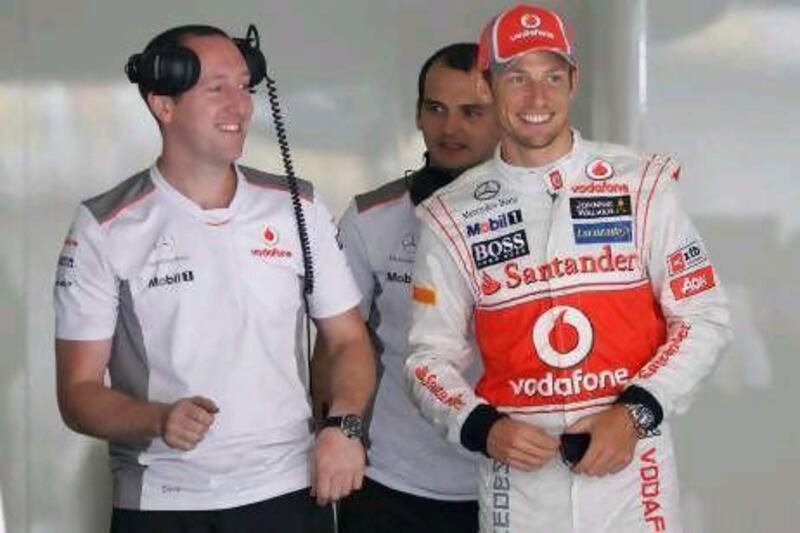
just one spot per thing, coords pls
(714, 81)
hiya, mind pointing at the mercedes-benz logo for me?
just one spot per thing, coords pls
(409, 243)
(487, 190)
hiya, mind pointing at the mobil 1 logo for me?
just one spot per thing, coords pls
(500, 249)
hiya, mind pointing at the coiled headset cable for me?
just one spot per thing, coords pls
(252, 40)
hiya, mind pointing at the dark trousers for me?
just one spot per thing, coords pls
(295, 512)
(378, 509)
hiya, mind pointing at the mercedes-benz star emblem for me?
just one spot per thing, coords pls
(409, 243)
(487, 190)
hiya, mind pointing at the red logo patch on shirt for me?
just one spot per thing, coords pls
(693, 283)
(556, 181)
(270, 235)
(599, 170)
(676, 263)
(489, 285)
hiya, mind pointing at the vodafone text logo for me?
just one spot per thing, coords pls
(602, 187)
(563, 336)
(270, 238)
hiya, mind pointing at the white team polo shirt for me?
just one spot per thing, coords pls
(379, 232)
(204, 302)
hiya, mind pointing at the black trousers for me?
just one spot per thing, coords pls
(378, 509)
(295, 512)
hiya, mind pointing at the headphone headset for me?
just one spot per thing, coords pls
(174, 69)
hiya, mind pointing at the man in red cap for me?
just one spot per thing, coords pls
(589, 293)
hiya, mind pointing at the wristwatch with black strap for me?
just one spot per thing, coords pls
(352, 425)
(645, 410)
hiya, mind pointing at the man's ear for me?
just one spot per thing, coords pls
(162, 107)
(573, 81)
(483, 86)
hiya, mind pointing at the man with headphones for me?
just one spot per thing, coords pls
(186, 282)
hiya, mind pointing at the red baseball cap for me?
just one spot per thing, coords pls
(519, 30)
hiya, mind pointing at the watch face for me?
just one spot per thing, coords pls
(351, 426)
(644, 416)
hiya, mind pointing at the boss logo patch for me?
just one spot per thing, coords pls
(494, 251)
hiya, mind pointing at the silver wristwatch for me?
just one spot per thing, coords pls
(643, 418)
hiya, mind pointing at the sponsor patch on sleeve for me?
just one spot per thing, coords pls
(693, 283)
(423, 295)
(685, 258)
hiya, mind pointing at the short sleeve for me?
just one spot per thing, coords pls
(335, 290)
(355, 250)
(86, 290)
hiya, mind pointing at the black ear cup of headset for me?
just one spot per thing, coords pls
(250, 47)
(173, 70)
(167, 72)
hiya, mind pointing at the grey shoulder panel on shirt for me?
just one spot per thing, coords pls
(105, 205)
(260, 178)
(385, 193)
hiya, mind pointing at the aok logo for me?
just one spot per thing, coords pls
(694, 283)
(563, 336)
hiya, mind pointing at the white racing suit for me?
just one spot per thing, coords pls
(578, 280)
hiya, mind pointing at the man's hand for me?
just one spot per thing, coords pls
(186, 422)
(339, 466)
(520, 445)
(613, 441)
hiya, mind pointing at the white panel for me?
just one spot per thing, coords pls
(14, 412)
(723, 82)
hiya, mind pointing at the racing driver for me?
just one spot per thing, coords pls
(589, 293)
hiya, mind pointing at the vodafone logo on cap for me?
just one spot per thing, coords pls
(599, 170)
(530, 21)
(563, 336)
